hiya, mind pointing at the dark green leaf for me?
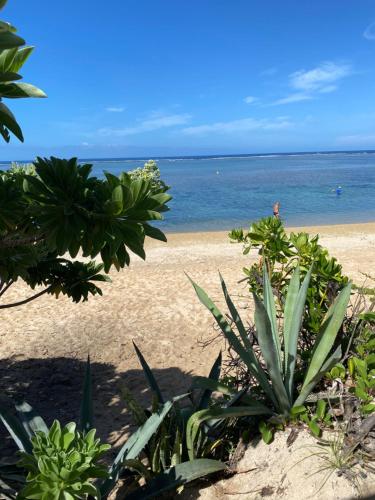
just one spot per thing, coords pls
(149, 375)
(178, 475)
(86, 419)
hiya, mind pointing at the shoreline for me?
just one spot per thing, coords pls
(216, 235)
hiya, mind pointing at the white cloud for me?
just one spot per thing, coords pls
(250, 99)
(307, 84)
(317, 79)
(296, 97)
(115, 109)
(328, 89)
(154, 122)
(242, 125)
(369, 32)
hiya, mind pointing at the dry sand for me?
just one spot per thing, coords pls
(302, 471)
(43, 346)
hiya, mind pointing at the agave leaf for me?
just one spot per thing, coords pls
(328, 333)
(138, 466)
(86, 418)
(213, 375)
(16, 430)
(327, 365)
(290, 301)
(211, 385)
(269, 305)
(177, 448)
(133, 447)
(247, 356)
(201, 416)
(236, 317)
(149, 375)
(217, 386)
(136, 409)
(31, 421)
(293, 317)
(258, 371)
(178, 475)
(6, 492)
(270, 354)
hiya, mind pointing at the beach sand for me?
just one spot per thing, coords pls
(44, 345)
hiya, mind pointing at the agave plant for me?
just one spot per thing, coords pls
(279, 352)
(166, 453)
(195, 430)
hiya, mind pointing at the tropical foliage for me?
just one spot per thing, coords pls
(283, 252)
(54, 210)
(274, 371)
(149, 172)
(56, 207)
(13, 55)
(180, 437)
(65, 462)
(361, 364)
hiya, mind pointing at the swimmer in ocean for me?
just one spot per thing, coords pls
(276, 210)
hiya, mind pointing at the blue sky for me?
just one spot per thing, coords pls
(174, 77)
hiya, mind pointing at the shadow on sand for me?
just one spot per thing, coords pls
(53, 387)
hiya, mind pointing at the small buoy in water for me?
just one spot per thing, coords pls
(338, 190)
(217, 172)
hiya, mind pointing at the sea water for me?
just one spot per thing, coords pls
(222, 192)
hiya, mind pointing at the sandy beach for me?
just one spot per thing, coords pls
(43, 346)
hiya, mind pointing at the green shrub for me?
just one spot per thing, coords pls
(283, 253)
(59, 208)
(274, 372)
(361, 365)
(149, 172)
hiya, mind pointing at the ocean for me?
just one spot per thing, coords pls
(223, 192)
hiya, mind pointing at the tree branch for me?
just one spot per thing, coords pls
(25, 301)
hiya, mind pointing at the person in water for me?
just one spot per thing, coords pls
(276, 210)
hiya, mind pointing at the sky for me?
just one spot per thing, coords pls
(129, 78)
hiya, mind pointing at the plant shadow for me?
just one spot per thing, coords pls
(53, 387)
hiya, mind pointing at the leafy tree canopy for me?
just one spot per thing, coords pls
(55, 209)
(13, 55)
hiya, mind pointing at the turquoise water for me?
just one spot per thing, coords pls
(219, 193)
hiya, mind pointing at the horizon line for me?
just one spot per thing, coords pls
(197, 156)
